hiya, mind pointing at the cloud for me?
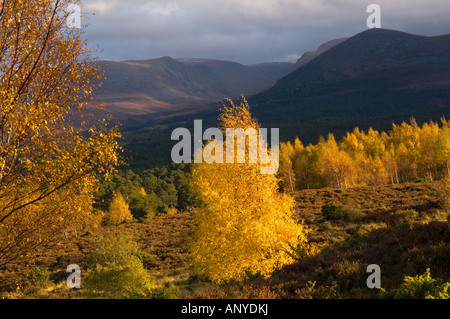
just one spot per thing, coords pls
(246, 31)
(100, 7)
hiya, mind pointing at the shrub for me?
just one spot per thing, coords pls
(399, 217)
(172, 211)
(149, 216)
(32, 284)
(113, 250)
(143, 255)
(326, 225)
(332, 211)
(117, 270)
(88, 233)
(419, 287)
(440, 256)
(162, 210)
(128, 279)
(311, 291)
(351, 214)
(299, 251)
(37, 276)
(168, 291)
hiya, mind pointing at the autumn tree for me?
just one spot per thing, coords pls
(366, 151)
(428, 137)
(286, 173)
(390, 164)
(49, 166)
(442, 160)
(335, 164)
(246, 226)
(306, 168)
(119, 211)
(406, 153)
(442, 150)
(289, 154)
(405, 138)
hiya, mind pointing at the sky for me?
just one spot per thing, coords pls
(244, 31)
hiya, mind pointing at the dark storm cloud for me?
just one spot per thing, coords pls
(246, 31)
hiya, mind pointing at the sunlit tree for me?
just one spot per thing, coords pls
(442, 149)
(119, 211)
(246, 226)
(49, 166)
(334, 164)
(286, 172)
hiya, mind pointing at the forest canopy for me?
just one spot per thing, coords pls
(406, 153)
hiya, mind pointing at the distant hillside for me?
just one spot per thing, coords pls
(137, 91)
(311, 55)
(372, 79)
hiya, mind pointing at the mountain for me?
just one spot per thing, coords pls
(311, 55)
(375, 78)
(136, 91)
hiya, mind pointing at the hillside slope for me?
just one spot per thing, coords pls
(138, 91)
(372, 79)
(311, 55)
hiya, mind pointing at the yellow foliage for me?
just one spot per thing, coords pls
(406, 153)
(119, 211)
(93, 220)
(142, 191)
(172, 211)
(286, 172)
(49, 167)
(246, 225)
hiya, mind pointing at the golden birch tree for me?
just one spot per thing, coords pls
(286, 172)
(49, 167)
(119, 211)
(246, 225)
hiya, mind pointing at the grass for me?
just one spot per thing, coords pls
(362, 234)
(160, 242)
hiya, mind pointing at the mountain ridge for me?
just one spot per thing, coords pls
(316, 100)
(375, 78)
(308, 56)
(151, 89)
